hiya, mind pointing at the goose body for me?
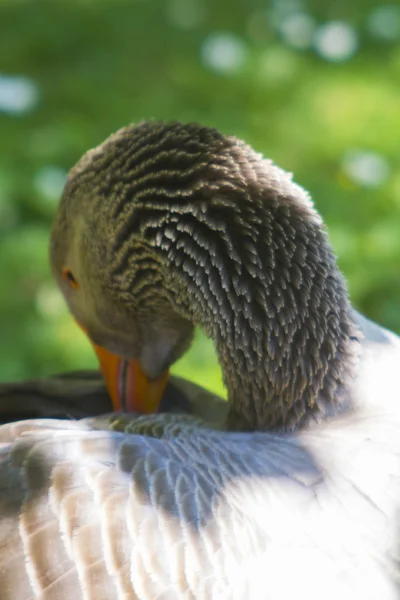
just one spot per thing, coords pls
(296, 491)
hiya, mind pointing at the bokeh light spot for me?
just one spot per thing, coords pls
(224, 52)
(298, 30)
(18, 95)
(384, 22)
(336, 41)
(49, 302)
(49, 182)
(365, 168)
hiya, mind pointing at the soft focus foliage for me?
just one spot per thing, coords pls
(313, 85)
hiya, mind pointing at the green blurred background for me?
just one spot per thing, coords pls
(312, 84)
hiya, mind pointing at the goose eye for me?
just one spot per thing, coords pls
(68, 275)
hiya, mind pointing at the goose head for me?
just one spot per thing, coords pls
(164, 227)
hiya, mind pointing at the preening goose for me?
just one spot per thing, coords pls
(297, 492)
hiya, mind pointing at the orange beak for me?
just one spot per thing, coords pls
(128, 386)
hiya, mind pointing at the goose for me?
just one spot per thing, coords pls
(294, 491)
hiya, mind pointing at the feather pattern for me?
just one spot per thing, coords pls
(165, 506)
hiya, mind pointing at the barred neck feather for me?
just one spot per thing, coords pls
(182, 214)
